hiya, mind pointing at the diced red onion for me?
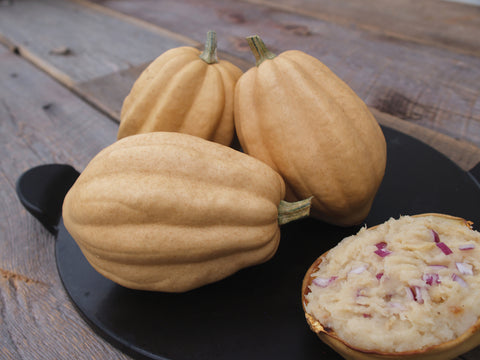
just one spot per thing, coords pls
(436, 238)
(382, 249)
(396, 305)
(414, 293)
(379, 276)
(382, 252)
(410, 294)
(417, 292)
(467, 247)
(445, 249)
(459, 280)
(431, 279)
(464, 268)
(358, 269)
(323, 282)
(381, 245)
(367, 316)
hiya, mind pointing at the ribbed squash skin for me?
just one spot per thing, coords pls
(172, 212)
(296, 115)
(180, 92)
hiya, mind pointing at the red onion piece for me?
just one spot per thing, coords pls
(464, 268)
(358, 269)
(459, 280)
(367, 316)
(381, 245)
(323, 282)
(396, 305)
(467, 247)
(382, 249)
(431, 279)
(417, 292)
(445, 249)
(410, 294)
(382, 252)
(436, 238)
(379, 276)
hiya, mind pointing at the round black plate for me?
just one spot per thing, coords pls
(257, 313)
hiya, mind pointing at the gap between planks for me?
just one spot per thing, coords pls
(93, 92)
(439, 38)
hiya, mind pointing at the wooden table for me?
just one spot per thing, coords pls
(66, 66)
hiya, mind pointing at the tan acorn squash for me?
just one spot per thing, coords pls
(170, 212)
(183, 90)
(296, 115)
(439, 301)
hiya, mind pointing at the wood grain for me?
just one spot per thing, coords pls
(432, 87)
(42, 29)
(454, 27)
(464, 154)
(41, 122)
(416, 81)
(57, 37)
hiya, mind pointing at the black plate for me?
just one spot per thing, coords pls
(256, 313)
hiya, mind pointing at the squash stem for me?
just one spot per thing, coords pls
(209, 54)
(290, 211)
(259, 49)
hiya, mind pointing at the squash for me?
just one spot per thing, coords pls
(297, 116)
(185, 91)
(442, 351)
(171, 212)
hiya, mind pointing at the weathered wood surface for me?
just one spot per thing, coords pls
(68, 53)
(437, 23)
(77, 44)
(418, 81)
(40, 122)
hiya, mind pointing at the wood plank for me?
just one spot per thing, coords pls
(108, 92)
(448, 25)
(41, 122)
(57, 35)
(464, 154)
(417, 82)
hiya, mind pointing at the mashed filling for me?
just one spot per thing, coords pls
(405, 285)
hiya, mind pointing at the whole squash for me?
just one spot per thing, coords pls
(171, 212)
(183, 90)
(296, 115)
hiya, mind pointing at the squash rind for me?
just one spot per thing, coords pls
(151, 206)
(296, 115)
(181, 92)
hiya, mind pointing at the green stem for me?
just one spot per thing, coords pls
(209, 54)
(290, 211)
(259, 49)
